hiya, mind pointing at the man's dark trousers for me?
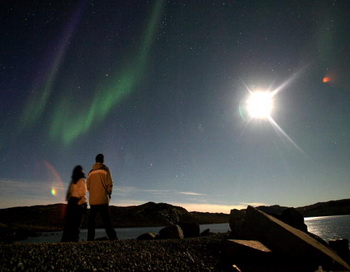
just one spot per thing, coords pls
(103, 209)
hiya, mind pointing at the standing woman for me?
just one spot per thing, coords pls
(76, 197)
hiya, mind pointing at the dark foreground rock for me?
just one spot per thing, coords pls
(195, 254)
(213, 253)
(268, 239)
(171, 232)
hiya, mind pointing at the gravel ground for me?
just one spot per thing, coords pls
(191, 254)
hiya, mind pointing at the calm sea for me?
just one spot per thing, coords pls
(327, 227)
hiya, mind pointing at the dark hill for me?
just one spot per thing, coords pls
(333, 207)
(41, 217)
(149, 214)
(51, 217)
(328, 208)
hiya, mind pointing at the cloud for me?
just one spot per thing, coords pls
(134, 190)
(125, 189)
(158, 192)
(191, 193)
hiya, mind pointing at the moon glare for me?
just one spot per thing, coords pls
(259, 105)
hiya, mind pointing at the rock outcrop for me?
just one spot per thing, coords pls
(287, 243)
(291, 216)
(171, 232)
(190, 229)
(248, 250)
(236, 222)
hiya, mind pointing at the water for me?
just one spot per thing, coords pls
(123, 233)
(327, 227)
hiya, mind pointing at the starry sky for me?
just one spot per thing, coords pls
(159, 87)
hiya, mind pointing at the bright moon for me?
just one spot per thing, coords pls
(259, 105)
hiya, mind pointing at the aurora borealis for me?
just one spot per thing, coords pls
(159, 87)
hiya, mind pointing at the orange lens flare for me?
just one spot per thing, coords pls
(326, 79)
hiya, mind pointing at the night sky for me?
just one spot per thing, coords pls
(160, 88)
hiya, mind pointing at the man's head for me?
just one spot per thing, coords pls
(100, 158)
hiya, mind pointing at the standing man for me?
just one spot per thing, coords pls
(99, 185)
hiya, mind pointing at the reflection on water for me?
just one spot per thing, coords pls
(329, 227)
(123, 233)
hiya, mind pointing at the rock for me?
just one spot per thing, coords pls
(247, 250)
(190, 229)
(206, 232)
(171, 232)
(289, 242)
(293, 217)
(318, 238)
(236, 223)
(341, 246)
(249, 255)
(147, 236)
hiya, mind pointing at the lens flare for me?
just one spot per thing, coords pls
(53, 191)
(57, 184)
(326, 79)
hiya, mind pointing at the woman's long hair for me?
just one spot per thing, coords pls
(78, 173)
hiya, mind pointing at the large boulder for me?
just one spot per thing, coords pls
(247, 250)
(171, 232)
(190, 229)
(291, 216)
(236, 223)
(341, 246)
(289, 242)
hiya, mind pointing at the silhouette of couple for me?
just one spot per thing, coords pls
(99, 184)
